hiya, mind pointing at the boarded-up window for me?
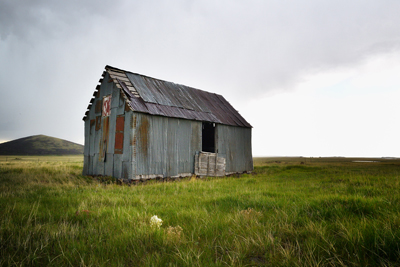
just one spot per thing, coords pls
(98, 123)
(209, 164)
(119, 135)
(106, 106)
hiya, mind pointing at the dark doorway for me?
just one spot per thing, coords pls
(208, 137)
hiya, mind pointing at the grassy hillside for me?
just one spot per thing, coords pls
(289, 213)
(40, 145)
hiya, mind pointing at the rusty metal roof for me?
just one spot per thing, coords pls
(158, 97)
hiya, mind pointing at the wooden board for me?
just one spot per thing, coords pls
(209, 164)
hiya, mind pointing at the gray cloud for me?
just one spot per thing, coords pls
(53, 52)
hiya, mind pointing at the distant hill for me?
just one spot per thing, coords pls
(40, 145)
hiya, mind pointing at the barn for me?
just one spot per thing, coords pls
(138, 127)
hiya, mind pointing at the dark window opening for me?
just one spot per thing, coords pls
(208, 137)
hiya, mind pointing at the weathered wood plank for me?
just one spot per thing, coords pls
(209, 164)
(123, 79)
(116, 73)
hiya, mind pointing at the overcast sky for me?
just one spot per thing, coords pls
(314, 78)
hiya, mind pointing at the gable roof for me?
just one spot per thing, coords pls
(157, 97)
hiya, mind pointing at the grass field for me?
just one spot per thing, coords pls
(289, 212)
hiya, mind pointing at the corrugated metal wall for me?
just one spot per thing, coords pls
(154, 145)
(165, 146)
(234, 144)
(97, 131)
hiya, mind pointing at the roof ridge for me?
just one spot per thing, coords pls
(146, 76)
(155, 96)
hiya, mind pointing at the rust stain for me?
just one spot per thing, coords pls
(119, 135)
(143, 133)
(134, 137)
(119, 143)
(98, 106)
(98, 123)
(127, 107)
(104, 139)
(120, 123)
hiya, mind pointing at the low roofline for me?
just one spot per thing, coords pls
(158, 97)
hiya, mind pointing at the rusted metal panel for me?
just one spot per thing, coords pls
(143, 137)
(138, 157)
(197, 98)
(98, 123)
(140, 85)
(105, 138)
(153, 109)
(172, 93)
(112, 131)
(168, 151)
(139, 105)
(184, 96)
(128, 136)
(159, 96)
(127, 108)
(98, 106)
(165, 96)
(132, 142)
(119, 135)
(120, 123)
(154, 90)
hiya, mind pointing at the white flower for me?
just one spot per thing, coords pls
(155, 221)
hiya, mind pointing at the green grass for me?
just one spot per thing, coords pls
(322, 212)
